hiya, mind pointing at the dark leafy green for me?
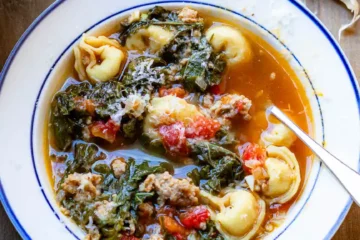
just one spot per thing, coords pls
(221, 167)
(127, 196)
(66, 118)
(195, 71)
(155, 16)
(140, 198)
(210, 153)
(224, 137)
(204, 67)
(226, 171)
(144, 72)
(63, 128)
(85, 155)
(106, 96)
(131, 29)
(122, 192)
(130, 128)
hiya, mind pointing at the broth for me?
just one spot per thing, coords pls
(267, 80)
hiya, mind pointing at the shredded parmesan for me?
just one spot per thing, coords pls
(135, 105)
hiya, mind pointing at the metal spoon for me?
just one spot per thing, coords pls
(349, 178)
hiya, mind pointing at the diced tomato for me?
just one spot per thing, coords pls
(173, 137)
(215, 89)
(82, 104)
(240, 106)
(106, 130)
(173, 227)
(251, 151)
(195, 217)
(176, 91)
(203, 128)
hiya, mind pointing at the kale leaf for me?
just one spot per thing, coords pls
(220, 167)
(106, 97)
(76, 107)
(127, 196)
(144, 72)
(62, 128)
(140, 198)
(225, 172)
(206, 152)
(122, 192)
(85, 155)
(130, 129)
(195, 70)
(65, 117)
(131, 29)
(204, 67)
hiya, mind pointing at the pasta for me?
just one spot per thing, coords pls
(232, 42)
(153, 37)
(278, 135)
(92, 49)
(284, 175)
(161, 133)
(167, 110)
(239, 214)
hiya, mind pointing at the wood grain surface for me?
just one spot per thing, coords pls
(17, 15)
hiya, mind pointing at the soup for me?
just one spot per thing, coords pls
(161, 132)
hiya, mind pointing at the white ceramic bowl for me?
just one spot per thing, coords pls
(28, 81)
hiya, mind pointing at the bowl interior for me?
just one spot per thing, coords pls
(55, 77)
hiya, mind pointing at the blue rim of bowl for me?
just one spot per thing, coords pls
(53, 6)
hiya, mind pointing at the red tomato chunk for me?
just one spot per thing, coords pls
(173, 137)
(195, 217)
(203, 128)
(215, 89)
(106, 130)
(252, 152)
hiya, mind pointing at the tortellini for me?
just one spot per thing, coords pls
(231, 41)
(284, 175)
(278, 135)
(239, 213)
(167, 110)
(153, 38)
(98, 58)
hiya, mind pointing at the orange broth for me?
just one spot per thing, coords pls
(268, 79)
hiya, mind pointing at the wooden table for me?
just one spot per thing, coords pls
(17, 15)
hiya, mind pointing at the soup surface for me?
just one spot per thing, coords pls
(160, 131)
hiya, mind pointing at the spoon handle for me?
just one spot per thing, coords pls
(349, 178)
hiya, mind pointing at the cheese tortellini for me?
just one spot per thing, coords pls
(231, 41)
(167, 110)
(284, 175)
(153, 38)
(238, 215)
(98, 58)
(278, 135)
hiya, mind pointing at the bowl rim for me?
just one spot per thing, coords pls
(54, 5)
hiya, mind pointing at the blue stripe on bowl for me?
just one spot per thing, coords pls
(12, 55)
(355, 88)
